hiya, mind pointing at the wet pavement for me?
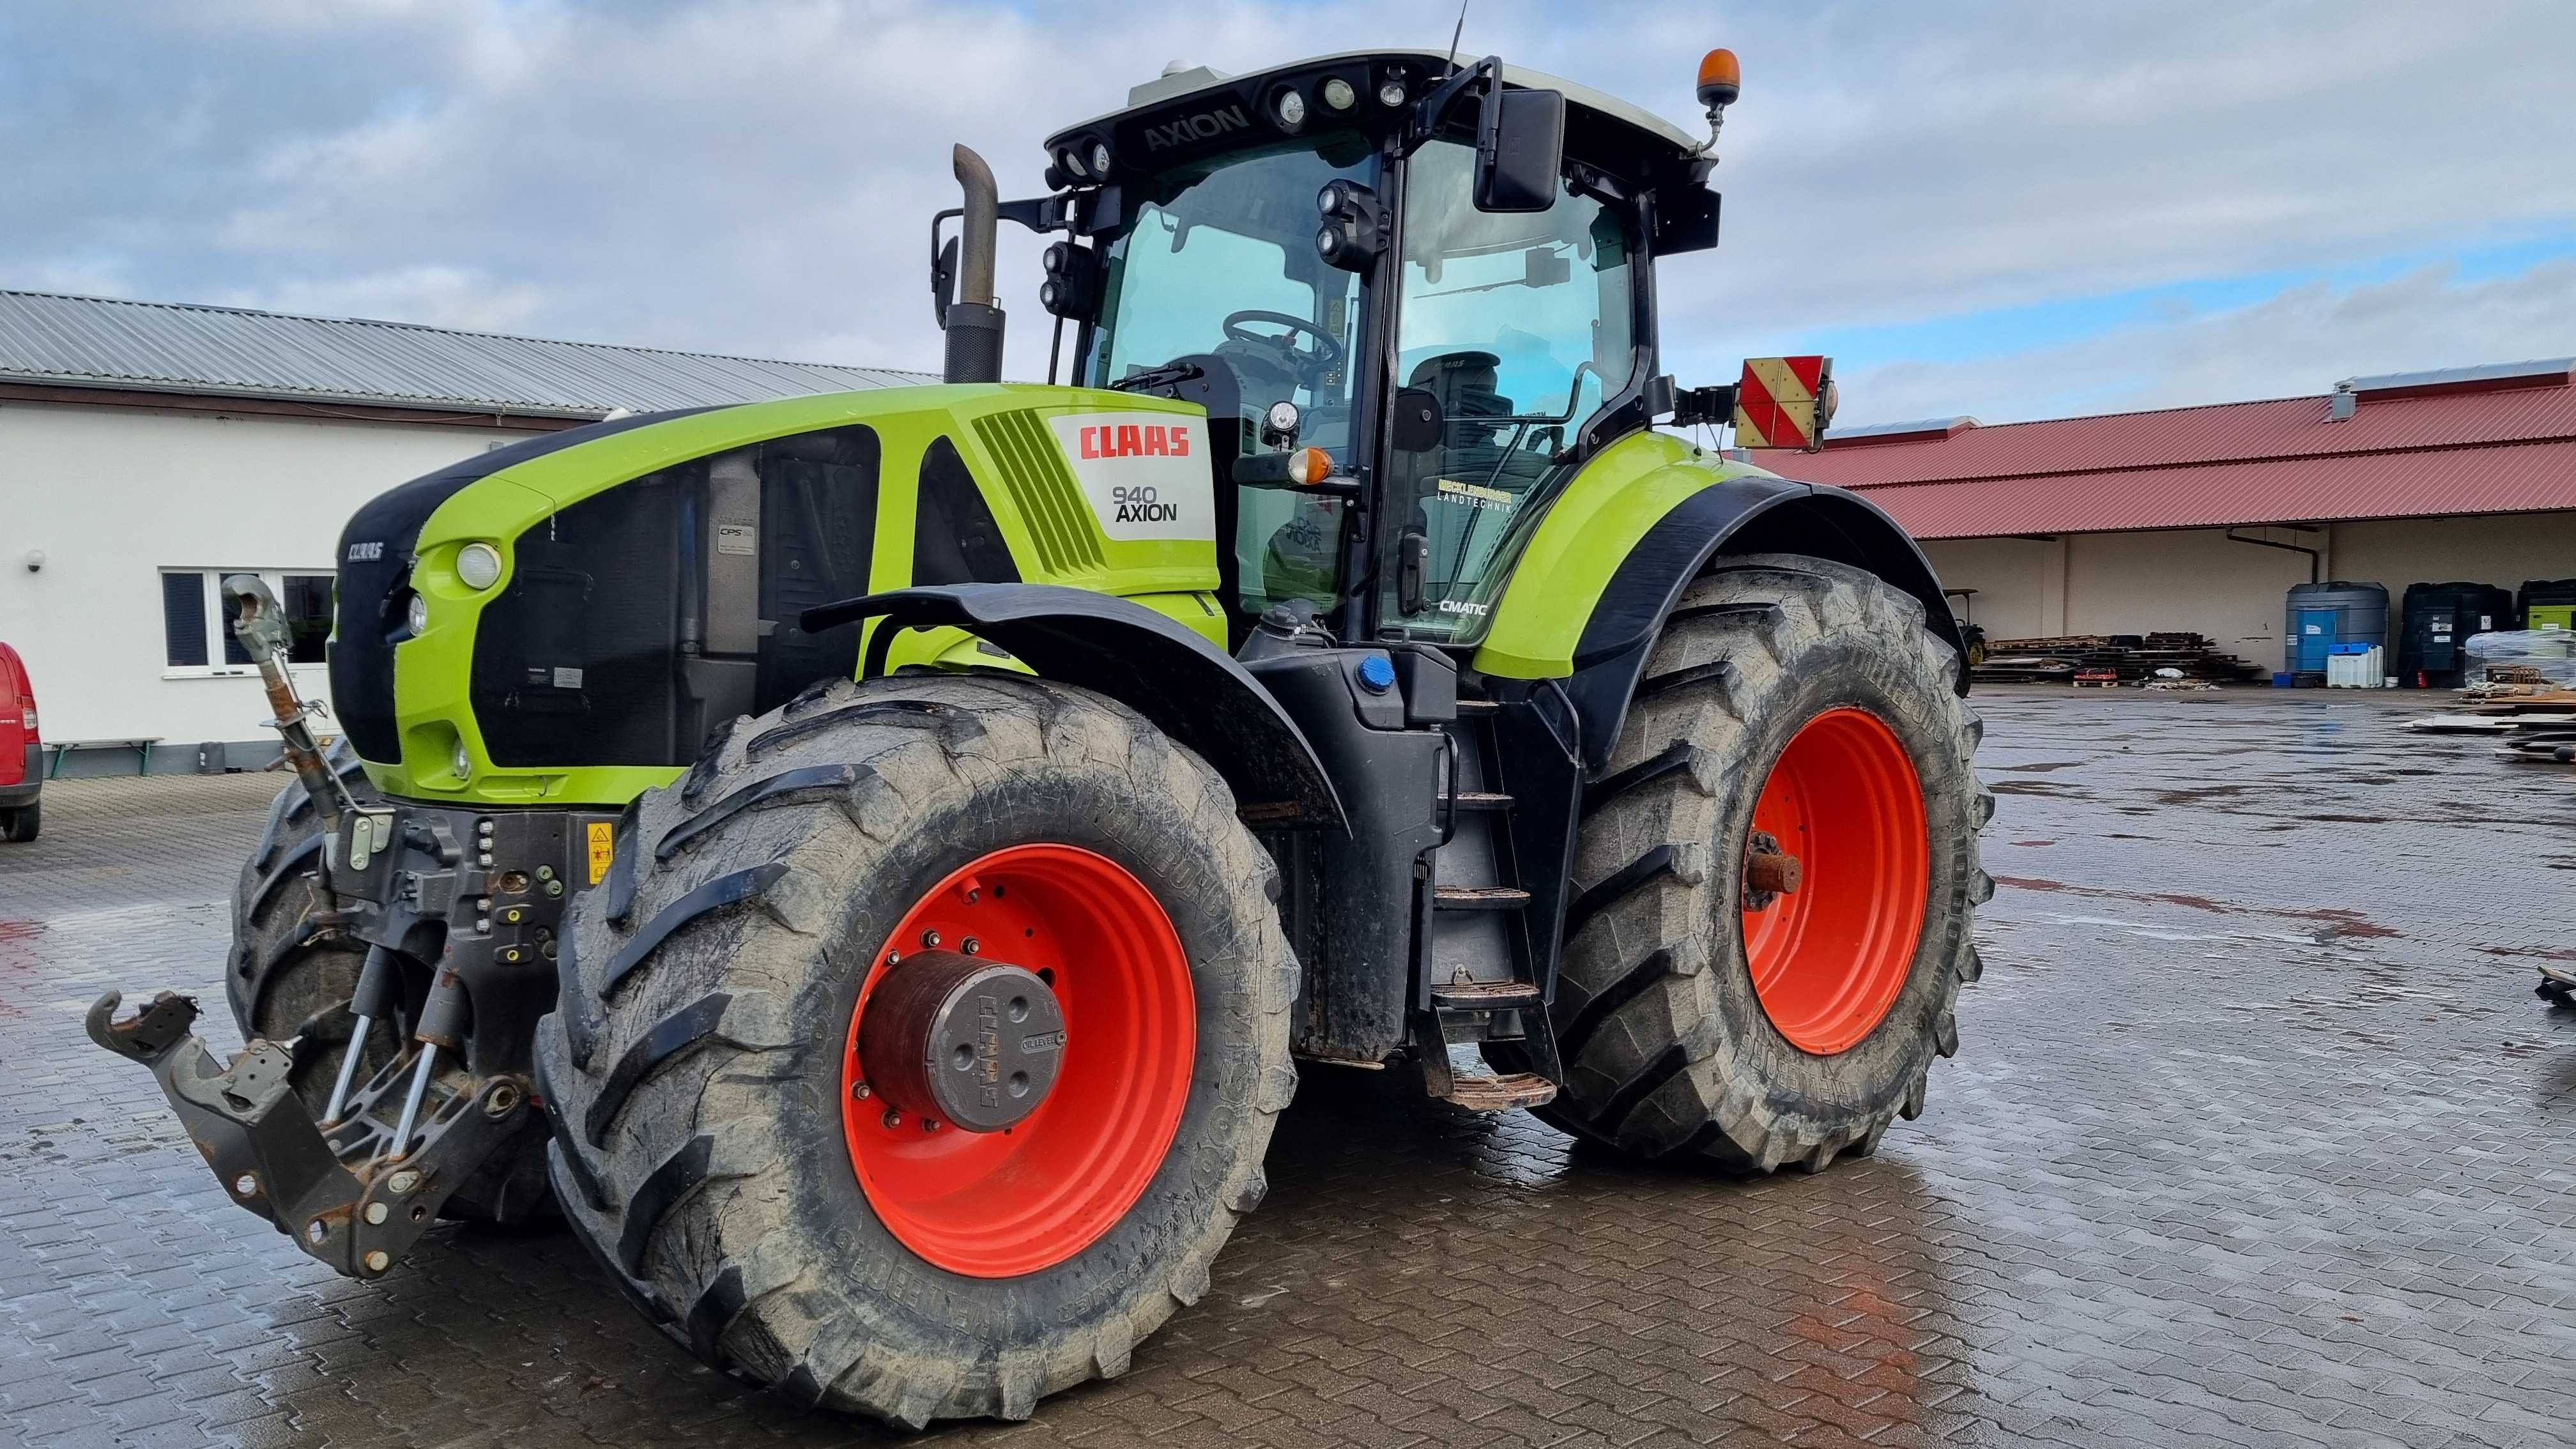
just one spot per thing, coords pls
(2257, 1135)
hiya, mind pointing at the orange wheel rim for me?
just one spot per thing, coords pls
(1830, 957)
(1003, 1203)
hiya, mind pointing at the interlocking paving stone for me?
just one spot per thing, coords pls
(2257, 1136)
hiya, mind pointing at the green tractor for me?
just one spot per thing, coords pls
(876, 864)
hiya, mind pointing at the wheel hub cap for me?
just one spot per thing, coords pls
(968, 1043)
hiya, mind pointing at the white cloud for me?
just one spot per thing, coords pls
(2300, 341)
(758, 178)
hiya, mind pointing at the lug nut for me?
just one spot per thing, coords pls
(893, 1118)
(930, 938)
(970, 945)
(376, 1213)
(858, 1091)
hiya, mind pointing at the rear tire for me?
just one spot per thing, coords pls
(1671, 1049)
(709, 1143)
(21, 825)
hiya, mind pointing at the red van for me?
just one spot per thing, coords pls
(22, 752)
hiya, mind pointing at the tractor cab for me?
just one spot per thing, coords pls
(1431, 275)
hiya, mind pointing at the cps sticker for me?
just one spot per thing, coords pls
(1144, 474)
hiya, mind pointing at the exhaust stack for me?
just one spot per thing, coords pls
(974, 323)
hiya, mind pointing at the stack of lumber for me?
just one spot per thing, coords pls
(2541, 732)
(2107, 659)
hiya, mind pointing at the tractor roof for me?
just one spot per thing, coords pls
(1610, 123)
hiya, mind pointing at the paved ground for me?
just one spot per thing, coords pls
(2258, 1136)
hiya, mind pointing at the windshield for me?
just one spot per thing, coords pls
(1521, 325)
(1219, 267)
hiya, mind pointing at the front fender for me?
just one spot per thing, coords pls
(1155, 666)
(1633, 530)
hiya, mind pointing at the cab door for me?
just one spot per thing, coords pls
(1521, 326)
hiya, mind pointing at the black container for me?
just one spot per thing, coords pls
(2551, 594)
(2439, 618)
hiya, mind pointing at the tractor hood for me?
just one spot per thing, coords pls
(566, 620)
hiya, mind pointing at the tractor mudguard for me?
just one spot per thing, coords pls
(1604, 568)
(1166, 672)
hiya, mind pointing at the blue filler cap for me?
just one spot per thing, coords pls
(1377, 674)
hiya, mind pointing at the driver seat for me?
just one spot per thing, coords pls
(1466, 385)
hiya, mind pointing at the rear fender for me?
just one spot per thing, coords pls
(1158, 667)
(1585, 606)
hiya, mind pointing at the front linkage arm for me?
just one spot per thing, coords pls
(476, 895)
(251, 1127)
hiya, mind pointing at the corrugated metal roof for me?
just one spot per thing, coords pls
(2556, 369)
(234, 352)
(2500, 450)
(1928, 427)
(2527, 478)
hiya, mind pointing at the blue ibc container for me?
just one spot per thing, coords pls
(2321, 616)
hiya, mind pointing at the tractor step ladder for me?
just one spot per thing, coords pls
(1477, 954)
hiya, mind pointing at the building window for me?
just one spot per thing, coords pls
(197, 623)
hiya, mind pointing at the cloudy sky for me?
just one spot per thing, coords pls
(2007, 209)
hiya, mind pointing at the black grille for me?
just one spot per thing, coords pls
(621, 638)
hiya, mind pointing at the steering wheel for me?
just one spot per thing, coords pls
(1321, 357)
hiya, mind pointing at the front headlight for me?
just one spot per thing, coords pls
(479, 565)
(416, 616)
(464, 762)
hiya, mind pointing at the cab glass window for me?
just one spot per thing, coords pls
(1220, 268)
(1521, 326)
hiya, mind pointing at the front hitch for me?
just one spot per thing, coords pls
(339, 1191)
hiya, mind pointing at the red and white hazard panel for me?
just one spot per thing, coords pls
(1780, 402)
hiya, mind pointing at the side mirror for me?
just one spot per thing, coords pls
(1419, 420)
(943, 281)
(1520, 149)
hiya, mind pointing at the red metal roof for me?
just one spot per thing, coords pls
(2485, 449)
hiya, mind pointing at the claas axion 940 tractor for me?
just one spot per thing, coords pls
(875, 863)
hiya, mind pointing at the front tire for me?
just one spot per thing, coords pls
(706, 1064)
(293, 969)
(1793, 707)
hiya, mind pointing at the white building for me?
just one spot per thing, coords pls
(146, 450)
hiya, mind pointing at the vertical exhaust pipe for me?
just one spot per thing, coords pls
(974, 323)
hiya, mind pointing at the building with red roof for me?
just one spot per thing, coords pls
(2201, 518)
